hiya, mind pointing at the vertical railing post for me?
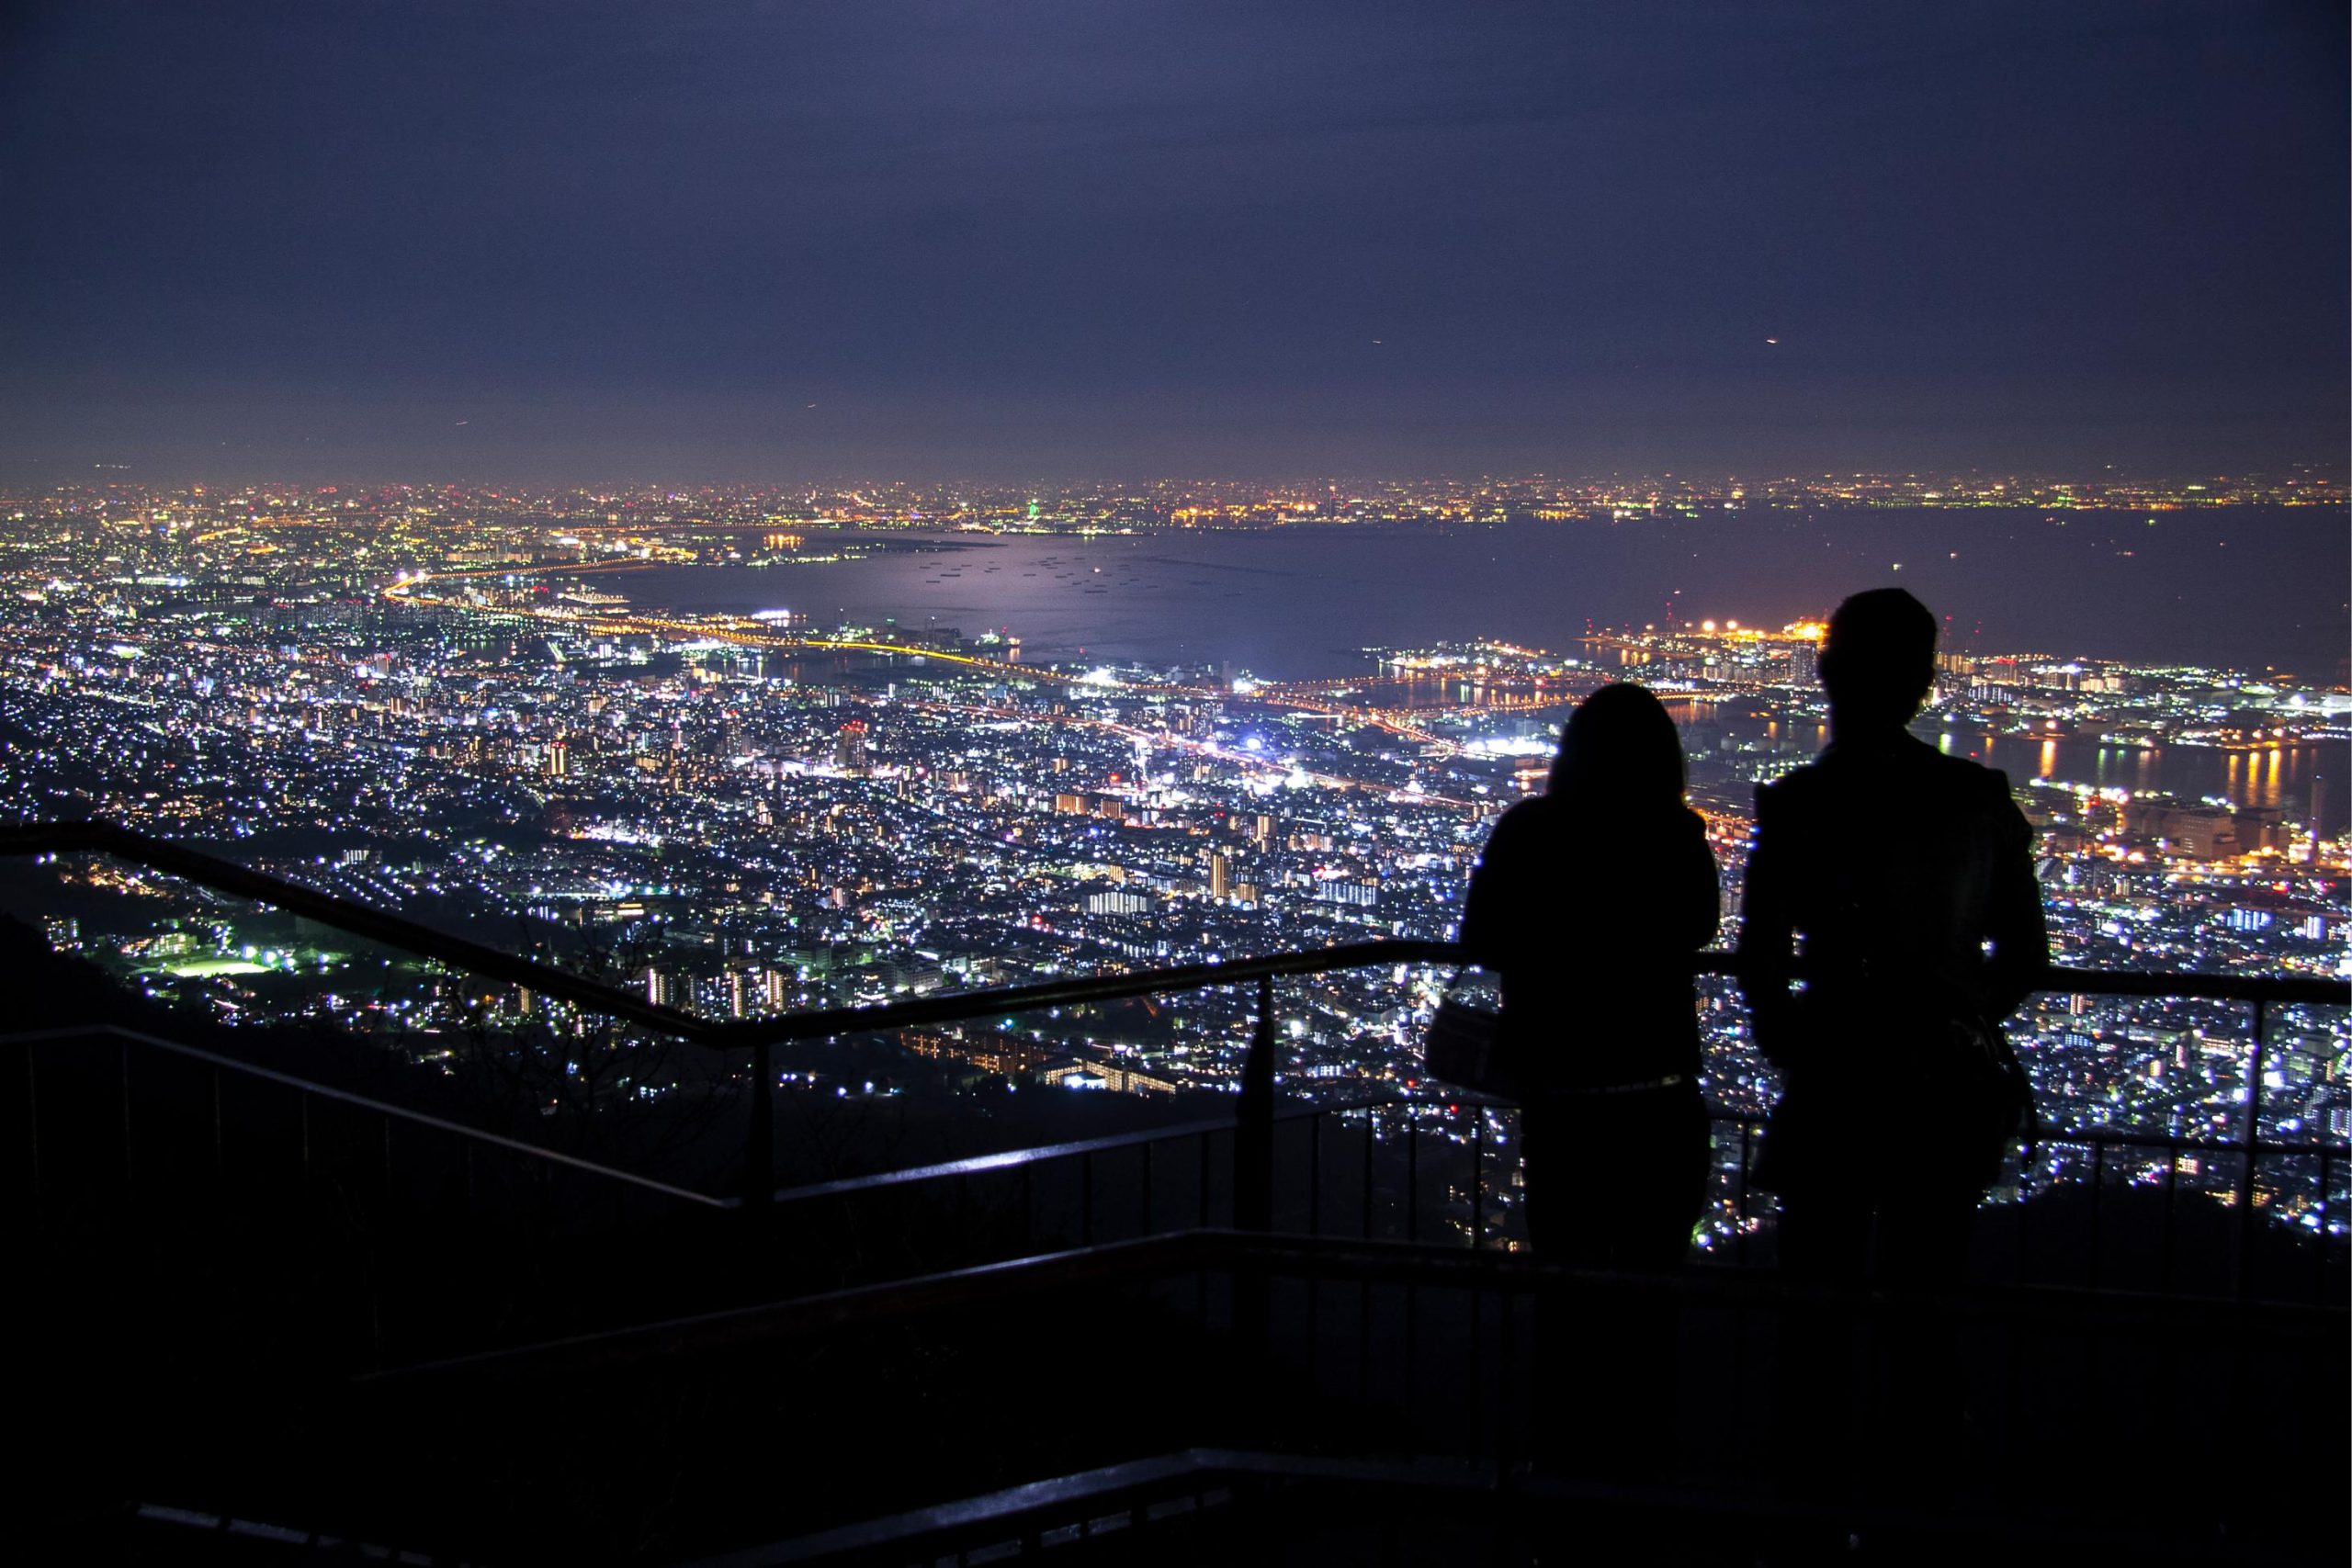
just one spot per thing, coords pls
(2326, 1212)
(2172, 1199)
(1253, 1133)
(31, 1117)
(1477, 1177)
(1739, 1242)
(1143, 1201)
(130, 1144)
(2251, 1133)
(2098, 1192)
(1253, 1170)
(2254, 1074)
(759, 1137)
(220, 1147)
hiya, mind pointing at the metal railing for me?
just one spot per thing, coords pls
(1251, 1132)
(1442, 1356)
(1305, 1231)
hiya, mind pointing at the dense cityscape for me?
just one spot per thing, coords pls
(451, 704)
(694, 518)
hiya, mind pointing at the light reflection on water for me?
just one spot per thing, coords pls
(2280, 776)
(1295, 602)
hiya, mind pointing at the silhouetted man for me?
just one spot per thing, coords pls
(1903, 880)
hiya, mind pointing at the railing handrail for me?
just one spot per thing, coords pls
(1352, 1260)
(1011, 1159)
(2044, 1135)
(397, 930)
(880, 1016)
(26, 1038)
(820, 1024)
(760, 1036)
(344, 915)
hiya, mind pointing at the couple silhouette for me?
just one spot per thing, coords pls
(1890, 922)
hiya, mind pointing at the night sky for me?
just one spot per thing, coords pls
(686, 240)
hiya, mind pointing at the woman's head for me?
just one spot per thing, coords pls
(1620, 748)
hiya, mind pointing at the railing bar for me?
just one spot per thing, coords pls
(129, 1145)
(1253, 1132)
(759, 1129)
(2260, 992)
(956, 1005)
(978, 1164)
(2025, 1202)
(303, 1086)
(32, 1115)
(1205, 1179)
(1314, 1228)
(1253, 1173)
(1201, 1276)
(1412, 1348)
(1315, 1177)
(2069, 1137)
(1143, 1201)
(2099, 1187)
(1740, 1216)
(2063, 1308)
(219, 1151)
(1412, 1176)
(2257, 1063)
(960, 1005)
(1505, 1348)
(222, 875)
(2319, 1252)
(343, 914)
(2246, 1229)
(2088, 1342)
(2172, 1201)
(2128, 1141)
(1471, 1386)
(1477, 1178)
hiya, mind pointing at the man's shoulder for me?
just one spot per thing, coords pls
(1799, 787)
(1960, 775)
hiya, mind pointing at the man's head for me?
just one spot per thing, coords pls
(1879, 659)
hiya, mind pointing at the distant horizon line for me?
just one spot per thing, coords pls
(2317, 475)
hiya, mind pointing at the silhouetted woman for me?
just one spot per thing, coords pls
(1588, 901)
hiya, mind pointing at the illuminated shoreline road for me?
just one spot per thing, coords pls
(745, 633)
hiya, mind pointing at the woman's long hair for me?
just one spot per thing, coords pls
(1619, 752)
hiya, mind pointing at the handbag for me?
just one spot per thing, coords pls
(1463, 1045)
(1991, 1094)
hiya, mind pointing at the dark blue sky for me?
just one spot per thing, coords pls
(1016, 239)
